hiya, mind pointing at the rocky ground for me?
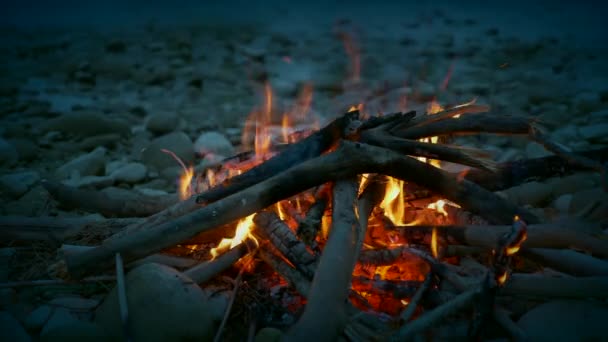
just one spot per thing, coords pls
(92, 109)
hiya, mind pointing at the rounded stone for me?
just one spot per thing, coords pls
(177, 142)
(164, 305)
(161, 123)
(213, 143)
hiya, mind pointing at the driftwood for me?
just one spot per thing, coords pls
(568, 261)
(550, 235)
(205, 271)
(435, 316)
(117, 203)
(348, 160)
(56, 229)
(520, 284)
(510, 174)
(324, 316)
(407, 314)
(474, 124)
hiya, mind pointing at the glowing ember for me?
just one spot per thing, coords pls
(434, 244)
(243, 231)
(439, 207)
(502, 278)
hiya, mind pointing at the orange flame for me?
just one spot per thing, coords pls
(243, 230)
(434, 244)
(393, 202)
(502, 278)
(185, 180)
(439, 207)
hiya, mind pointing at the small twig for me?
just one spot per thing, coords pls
(411, 307)
(122, 296)
(237, 283)
(435, 316)
(207, 270)
(502, 317)
(52, 282)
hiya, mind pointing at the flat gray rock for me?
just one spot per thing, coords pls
(86, 124)
(16, 184)
(213, 143)
(162, 122)
(177, 142)
(164, 305)
(130, 173)
(566, 320)
(8, 153)
(89, 164)
(11, 330)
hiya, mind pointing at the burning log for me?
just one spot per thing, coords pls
(568, 261)
(293, 276)
(550, 235)
(310, 225)
(395, 289)
(308, 148)
(207, 270)
(324, 317)
(118, 203)
(271, 228)
(58, 230)
(348, 160)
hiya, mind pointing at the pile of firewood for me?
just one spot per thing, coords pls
(332, 161)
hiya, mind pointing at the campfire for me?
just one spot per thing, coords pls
(355, 218)
(371, 226)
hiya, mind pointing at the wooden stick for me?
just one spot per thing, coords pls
(426, 119)
(480, 123)
(207, 270)
(269, 227)
(407, 314)
(454, 154)
(568, 261)
(510, 174)
(435, 316)
(348, 160)
(118, 203)
(324, 317)
(56, 282)
(562, 287)
(394, 288)
(502, 317)
(551, 235)
(57, 229)
(122, 297)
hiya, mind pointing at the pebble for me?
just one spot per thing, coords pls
(76, 331)
(177, 142)
(89, 164)
(17, 184)
(535, 150)
(130, 173)
(213, 143)
(565, 320)
(89, 181)
(162, 122)
(11, 329)
(38, 318)
(164, 305)
(86, 124)
(597, 132)
(8, 153)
